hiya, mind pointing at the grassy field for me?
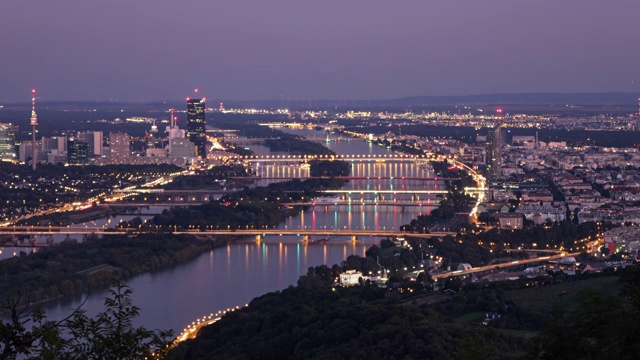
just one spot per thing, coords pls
(470, 317)
(568, 293)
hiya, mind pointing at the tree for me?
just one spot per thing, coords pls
(110, 335)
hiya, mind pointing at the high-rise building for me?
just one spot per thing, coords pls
(94, 140)
(25, 151)
(494, 154)
(196, 126)
(7, 142)
(57, 143)
(76, 151)
(120, 146)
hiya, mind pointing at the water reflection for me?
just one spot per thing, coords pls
(233, 275)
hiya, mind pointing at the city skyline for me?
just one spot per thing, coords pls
(332, 50)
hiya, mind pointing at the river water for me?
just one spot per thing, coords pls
(233, 275)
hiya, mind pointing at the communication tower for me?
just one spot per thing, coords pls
(34, 123)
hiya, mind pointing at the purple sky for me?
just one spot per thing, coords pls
(305, 49)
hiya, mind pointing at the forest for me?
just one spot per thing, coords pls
(255, 208)
(72, 267)
(595, 316)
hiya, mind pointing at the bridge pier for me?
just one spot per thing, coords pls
(258, 238)
(353, 238)
(305, 238)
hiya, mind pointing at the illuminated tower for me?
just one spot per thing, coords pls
(494, 153)
(196, 125)
(34, 123)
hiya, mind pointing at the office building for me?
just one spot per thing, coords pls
(183, 149)
(55, 143)
(120, 146)
(25, 151)
(94, 140)
(494, 154)
(8, 142)
(196, 126)
(77, 151)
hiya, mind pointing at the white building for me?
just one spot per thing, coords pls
(350, 277)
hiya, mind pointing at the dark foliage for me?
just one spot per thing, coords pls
(312, 321)
(329, 168)
(61, 270)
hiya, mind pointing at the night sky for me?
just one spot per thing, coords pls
(148, 50)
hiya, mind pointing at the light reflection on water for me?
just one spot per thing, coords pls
(233, 275)
(222, 278)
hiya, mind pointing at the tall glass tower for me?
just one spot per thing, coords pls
(7, 142)
(494, 154)
(196, 126)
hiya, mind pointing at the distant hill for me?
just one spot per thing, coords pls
(605, 98)
(594, 99)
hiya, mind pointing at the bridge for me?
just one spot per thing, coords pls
(148, 204)
(169, 192)
(358, 203)
(258, 233)
(356, 191)
(349, 157)
(356, 178)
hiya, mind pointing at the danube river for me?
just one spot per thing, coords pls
(233, 275)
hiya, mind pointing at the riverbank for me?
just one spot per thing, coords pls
(72, 267)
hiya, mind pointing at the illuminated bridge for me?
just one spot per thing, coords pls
(258, 233)
(350, 157)
(361, 203)
(416, 191)
(356, 178)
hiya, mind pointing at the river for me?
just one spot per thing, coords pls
(235, 274)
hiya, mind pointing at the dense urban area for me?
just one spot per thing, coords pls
(527, 251)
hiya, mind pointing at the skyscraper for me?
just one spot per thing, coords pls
(95, 140)
(196, 126)
(120, 147)
(8, 142)
(494, 154)
(76, 151)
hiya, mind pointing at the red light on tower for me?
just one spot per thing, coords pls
(499, 110)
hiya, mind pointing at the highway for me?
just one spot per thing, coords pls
(109, 198)
(591, 246)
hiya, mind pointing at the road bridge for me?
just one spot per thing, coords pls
(359, 203)
(148, 204)
(346, 157)
(350, 178)
(64, 230)
(356, 191)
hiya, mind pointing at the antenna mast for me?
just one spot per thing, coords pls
(34, 123)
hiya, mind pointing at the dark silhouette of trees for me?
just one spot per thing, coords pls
(110, 335)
